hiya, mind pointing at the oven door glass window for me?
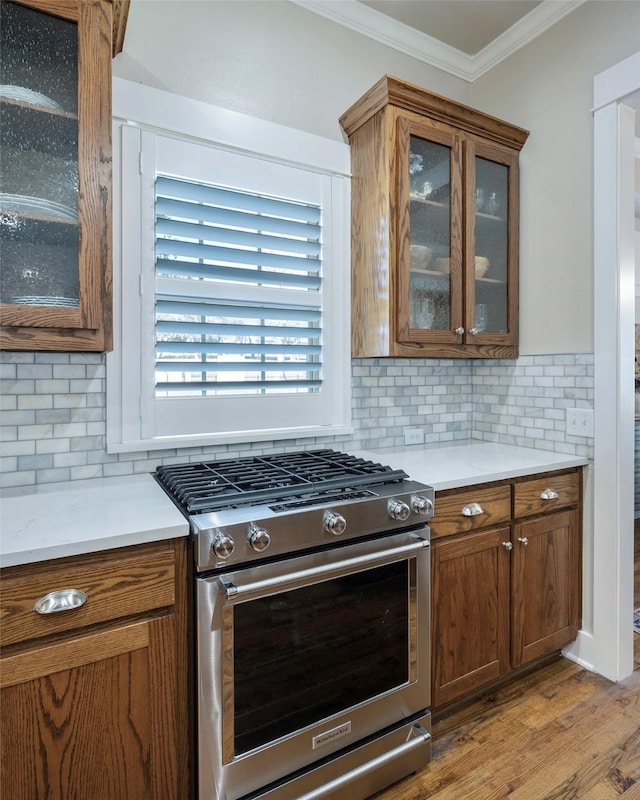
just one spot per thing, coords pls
(306, 654)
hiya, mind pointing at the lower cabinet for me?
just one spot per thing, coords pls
(94, 698)
(503, 595)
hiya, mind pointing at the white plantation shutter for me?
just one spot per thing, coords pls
(248, 245)
(231, 279)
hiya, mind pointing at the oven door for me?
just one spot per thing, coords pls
(305, 657)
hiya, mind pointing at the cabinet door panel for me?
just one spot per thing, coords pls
(491, 246)
(470, 613)
(55, 288)
(545, 583)
(428, 233)
(84, 730)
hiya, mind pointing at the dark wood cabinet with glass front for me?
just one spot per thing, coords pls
(55, 184)
(435, 226)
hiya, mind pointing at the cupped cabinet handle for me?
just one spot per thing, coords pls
(472, 510)
(549, 494)
(62, 600)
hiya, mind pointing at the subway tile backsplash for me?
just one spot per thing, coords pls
(53, 416)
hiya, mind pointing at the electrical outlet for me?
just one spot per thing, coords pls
(580, 422)
(414, 436)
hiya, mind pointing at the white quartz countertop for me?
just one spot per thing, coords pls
(65, 519)
(469, 462)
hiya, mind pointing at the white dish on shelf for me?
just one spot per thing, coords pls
(41, 300)
(21, 204)
(25, 95)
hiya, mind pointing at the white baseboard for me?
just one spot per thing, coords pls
(581, 651)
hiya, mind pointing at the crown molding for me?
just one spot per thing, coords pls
(536, 22)
(358, 17)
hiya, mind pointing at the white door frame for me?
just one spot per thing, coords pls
(616, 95)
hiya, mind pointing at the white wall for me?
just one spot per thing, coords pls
(270, 59)
(547, 87)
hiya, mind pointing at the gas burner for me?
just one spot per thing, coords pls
(300, 477)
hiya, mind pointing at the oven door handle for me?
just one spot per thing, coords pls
(419, 738)
(294, 579)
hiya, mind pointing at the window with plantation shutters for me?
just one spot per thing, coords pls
(262, 253)
(231, 277)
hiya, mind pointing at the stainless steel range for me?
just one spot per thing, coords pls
(312, 624)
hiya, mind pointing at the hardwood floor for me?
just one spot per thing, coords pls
(561, 733)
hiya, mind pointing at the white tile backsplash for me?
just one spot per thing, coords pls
(53, 424)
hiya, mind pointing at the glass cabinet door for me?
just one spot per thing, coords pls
(39, 178)
(429, 301)
(491, 247)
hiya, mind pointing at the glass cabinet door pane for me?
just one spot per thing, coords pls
(430, 235)
(491, 247)
(39, 244)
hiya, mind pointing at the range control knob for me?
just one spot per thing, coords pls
(398, 509)
(334, 523)
(258, 538)
(223, 545)
(421, 505)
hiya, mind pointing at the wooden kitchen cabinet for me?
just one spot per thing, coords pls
(55, 187)
(470, 600)
(94, 699)
(434, 226)
(503, 595)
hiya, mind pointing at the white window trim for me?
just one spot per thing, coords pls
(137, 107)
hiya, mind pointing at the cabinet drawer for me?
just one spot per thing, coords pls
(117, 584)
(545, 494)
(469, 510)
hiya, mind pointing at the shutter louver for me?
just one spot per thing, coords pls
(238, 300)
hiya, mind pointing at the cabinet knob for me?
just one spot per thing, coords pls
(459, 331)
(523, 541)
(507, 545)
(474, 331)
(549, 494)
(62, 600)
(472, 510)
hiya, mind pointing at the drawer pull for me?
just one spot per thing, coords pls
(472, 510)
(62, 600)
(549, 494)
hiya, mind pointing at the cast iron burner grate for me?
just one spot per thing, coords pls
(215, 485)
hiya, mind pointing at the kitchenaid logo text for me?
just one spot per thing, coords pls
(335, 733)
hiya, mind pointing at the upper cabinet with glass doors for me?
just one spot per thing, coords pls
(435, 226)
(55, 183)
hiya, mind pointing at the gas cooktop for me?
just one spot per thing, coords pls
(216, 485)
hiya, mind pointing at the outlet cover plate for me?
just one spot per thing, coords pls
(414, 436)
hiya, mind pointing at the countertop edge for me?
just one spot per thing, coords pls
(81, 517)
(34, 556)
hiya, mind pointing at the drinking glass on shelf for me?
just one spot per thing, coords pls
(481, 316)
(427, 312)
(492, 206)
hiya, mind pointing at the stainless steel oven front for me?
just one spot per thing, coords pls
(313, 672)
